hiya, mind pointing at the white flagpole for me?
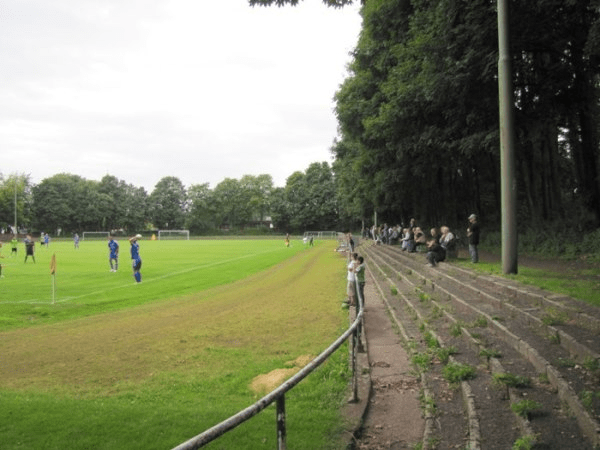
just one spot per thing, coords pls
(53, 273)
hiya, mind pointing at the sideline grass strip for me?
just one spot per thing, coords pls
(151, 376)
(584, 286)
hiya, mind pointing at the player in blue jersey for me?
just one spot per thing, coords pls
(113, 254)
(136, 261)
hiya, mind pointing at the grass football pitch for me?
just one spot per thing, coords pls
(84, 285)
(90, 359)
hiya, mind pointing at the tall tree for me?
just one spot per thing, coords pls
(201, 216)
(257, 190)
(231, 203)
(113, 212)
(556, 82)
(280, 209)
(308, 201)
(15, 187)
(418, 114)
(59, 204)
(136, 212)
(168, 203)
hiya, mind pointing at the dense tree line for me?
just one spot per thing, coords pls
(72, 204)
(15, 200)
(419, 113)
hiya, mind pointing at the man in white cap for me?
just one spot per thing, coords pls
(473, 234)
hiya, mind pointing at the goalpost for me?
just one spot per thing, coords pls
(94, 235)
(173, 234)
(321, 234)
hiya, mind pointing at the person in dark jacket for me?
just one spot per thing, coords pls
(435, 253)
(473, 235)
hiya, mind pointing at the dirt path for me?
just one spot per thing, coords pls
(393, 419)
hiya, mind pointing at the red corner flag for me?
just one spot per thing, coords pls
(53, 264)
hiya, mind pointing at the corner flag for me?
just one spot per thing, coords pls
(53, 264)
(53, 273)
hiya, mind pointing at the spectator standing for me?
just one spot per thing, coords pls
(473, 235)
(351, 287)
(359, 273)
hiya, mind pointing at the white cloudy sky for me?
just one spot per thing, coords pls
(142, 89)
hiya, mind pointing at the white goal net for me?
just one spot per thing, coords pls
(321, 234)
(94, 235)
(173, 234)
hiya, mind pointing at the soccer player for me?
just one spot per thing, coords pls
(113, 256)
(136, 261)
(29, 248)
(14, 244)
(46, 240)
(76, 240)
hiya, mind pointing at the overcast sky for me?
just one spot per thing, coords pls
(142, 89)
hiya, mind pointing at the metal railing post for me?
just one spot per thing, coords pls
(354, 397)
(281, 432)
(359, 308)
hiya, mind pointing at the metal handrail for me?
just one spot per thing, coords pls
(279, 393)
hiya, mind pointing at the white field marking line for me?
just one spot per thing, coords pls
(130, 285)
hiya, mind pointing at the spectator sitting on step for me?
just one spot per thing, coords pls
(448, 242)
(435, 234)
(435, 252)
(420, 239)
